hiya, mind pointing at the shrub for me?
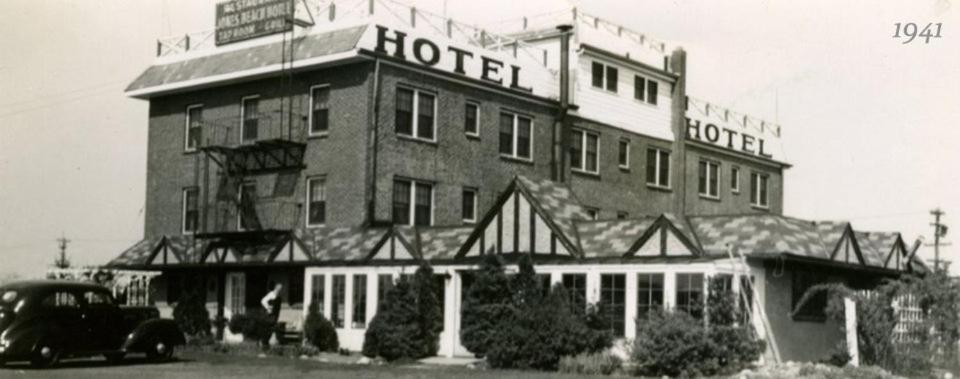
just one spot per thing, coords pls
(394, 330)
(319, 332)
(590, 364)
(191, 314)
(486, 302)
(256, 325)
(429, 313)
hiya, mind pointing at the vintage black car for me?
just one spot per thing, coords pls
(44, 321)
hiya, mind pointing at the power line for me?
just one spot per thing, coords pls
(58, 94)
(68, 100)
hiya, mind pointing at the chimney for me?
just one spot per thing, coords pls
(559, 128)
(678, 65)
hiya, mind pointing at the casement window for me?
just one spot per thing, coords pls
(543, 284)
(735, 179)
(759, 194)
(319, 110)
(708, 185)
(318, 291)
(604, 76)
(412, 203)
(191, 210)
(194, 128)
(645, 89)
(576, 286)
(384, 284)
(247, 213)
(516, 136)
(249, 118)
(649, 293)
(623, 154)
(690, 294)
(814, 309)
(471, 119)
(658, 168)
(592, 213)
(416, 114)
(338, 305)
(469, 208)
(359, 301)
(316, 201)
(613, 289)
(584, 151)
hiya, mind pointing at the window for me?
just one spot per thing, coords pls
(61, 299)
(645, 89)
(543, 282)
(319, 110)
(416, 113)
(708, 185)
(604, 76)
(652, 92)
(339, 298)
(623, 215)
(412, 203)
(613, 288)
(516, 136)
(576, 286)
(623, 155)
(101, 299)
(191, 210)
(316, 201)
(440, 291)
(690, 294)
(471, 117)
(247, 214)
(194, 127)
(814, 308)
(317, 291)
(584, 150)
(384, 284)
(745, 299)
(359, 301)
(658, 168)
(735, 179)
(249, 118)
(758, 190)
(649, 293)
(592, 213)
(294, 288)
(469, 210)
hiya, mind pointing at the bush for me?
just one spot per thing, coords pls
(319, 332)
(256, 325)
(429, 313)
(486, 302)
(676, 344)
(590, 364)
(393, 330)
(191, 315)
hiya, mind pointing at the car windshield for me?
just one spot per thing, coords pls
(9, 296)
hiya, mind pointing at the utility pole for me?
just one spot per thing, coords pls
(61, 261)
(939, 230)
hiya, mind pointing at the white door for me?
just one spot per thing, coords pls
(235, 294)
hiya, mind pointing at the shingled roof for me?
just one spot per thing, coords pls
(611, 237)
(341, 243)
(139, 254)
(758, 235)
(557, 202)
(876, 246)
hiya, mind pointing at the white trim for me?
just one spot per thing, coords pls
(627, 142)
(476, 104)
(583, 151)
(183, 210)
(186, 128)
(310, 132)
(307, 199)
(415, 113)
(709, 174)
(243, 107)
(476, 196)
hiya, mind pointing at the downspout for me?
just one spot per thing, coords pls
(560, 126)
(374, 138)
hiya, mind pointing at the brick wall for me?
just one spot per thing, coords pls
(730, 202)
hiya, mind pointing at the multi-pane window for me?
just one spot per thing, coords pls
(412, 203)
(623, 153)
(319, 110)
(690, 294)
(544, 283)
(249, 118)
(658, 167)
(191, 210)
(613, 289)
(194, 127)
(759, 195)
(645, 89)
(469, 208)
(338, 305)
(359, 301)
(652, 92)
(709, 179)
(384, 284)
(317, 291)
(649, 293)
(604, 76)
(516, 136)
(247, 213)
(584, 150)
(576, 286)
(592, 213)
(471, 119)
(735, 179)
(316, 201)
(416, 113)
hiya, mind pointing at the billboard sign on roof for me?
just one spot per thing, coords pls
(239, 20)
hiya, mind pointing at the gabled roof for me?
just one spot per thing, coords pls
(442, 242)
(557, 202)
(341, 243)
(139, 254)
(877, 246)
(611, 237)
(758, 234)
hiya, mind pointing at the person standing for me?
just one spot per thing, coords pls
(271, 302)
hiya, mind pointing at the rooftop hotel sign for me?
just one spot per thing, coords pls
(239, 20)
(732, 136)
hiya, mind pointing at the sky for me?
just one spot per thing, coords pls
(870, 124)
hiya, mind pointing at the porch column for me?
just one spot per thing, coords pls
(630, 303)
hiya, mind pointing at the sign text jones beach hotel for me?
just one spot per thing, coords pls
(239, 20)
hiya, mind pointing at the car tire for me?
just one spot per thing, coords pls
(114, 358)
(160, 351)
(45, 355)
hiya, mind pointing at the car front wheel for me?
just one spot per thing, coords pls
(45, 355)
(160, 351)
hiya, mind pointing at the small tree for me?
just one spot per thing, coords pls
(487, 302)
(319, 331)
(524, 286)
(429, 313)
(722, 305)
(394, 332)
(191, 314)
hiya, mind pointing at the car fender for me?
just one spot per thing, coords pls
(22, 338)
(148, 332)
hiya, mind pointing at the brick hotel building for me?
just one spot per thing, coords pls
(336, 156)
